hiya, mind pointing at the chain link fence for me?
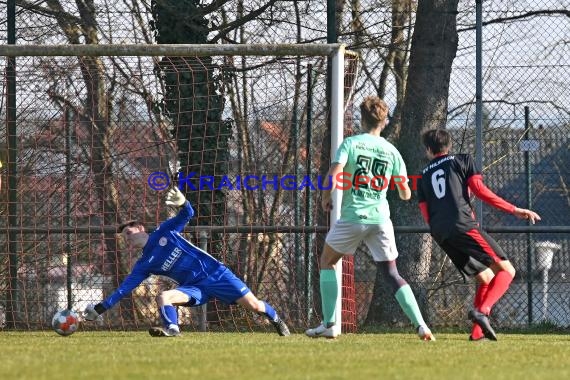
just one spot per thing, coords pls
(526, 125)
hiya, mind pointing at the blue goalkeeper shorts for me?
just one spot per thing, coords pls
(222, 284)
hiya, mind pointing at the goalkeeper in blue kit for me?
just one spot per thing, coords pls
(199, 275)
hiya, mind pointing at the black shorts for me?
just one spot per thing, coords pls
(473, 251)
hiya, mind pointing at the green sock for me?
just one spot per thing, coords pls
(409, 305)
(329, 295)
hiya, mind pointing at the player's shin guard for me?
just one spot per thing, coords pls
(168, 315)
(329, 295)
(409, 305)
(497, 287)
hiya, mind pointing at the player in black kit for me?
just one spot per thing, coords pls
(444, 199)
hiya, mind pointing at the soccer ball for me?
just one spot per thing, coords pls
(65, 322)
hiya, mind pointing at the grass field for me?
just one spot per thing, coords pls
(236, 356)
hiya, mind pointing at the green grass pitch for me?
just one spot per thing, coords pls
(235, 356)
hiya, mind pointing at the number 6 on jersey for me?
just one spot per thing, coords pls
(438, 183)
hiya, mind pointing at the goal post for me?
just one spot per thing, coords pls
(102, 130)
(337, 135)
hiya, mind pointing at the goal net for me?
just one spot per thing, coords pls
(95, 134)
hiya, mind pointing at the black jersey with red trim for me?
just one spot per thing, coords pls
(444, 188)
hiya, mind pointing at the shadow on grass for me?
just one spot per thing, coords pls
(543, 327)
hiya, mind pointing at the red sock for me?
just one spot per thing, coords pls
(476, 332)
(497, 287)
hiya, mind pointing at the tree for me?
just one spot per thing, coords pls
(194, 103)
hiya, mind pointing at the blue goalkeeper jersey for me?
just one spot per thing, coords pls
(168, 254)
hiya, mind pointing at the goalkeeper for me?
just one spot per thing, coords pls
(199, 275)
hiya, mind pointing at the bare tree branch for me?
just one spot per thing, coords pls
(239, 22)
(216, 4)
(514, 104)
(56, 12)
(499, 20)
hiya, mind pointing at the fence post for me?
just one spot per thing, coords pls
(529, 245)
(202, 324)
(308, 198)
(12, 144)
(479, 99)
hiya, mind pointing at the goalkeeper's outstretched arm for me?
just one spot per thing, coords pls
(175, 198)
(92, 312)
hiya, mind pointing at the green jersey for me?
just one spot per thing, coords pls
(369, 164)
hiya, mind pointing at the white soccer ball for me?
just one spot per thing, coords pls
(65, 322)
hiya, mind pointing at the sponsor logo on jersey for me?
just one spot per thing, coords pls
(437, 163)
(382, 152)
(367, 194)
(172, 258)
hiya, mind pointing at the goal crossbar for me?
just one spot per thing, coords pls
(179, 50)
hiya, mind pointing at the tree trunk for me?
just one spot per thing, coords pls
(397, 63)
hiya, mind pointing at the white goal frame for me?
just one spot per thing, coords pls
(334, 51)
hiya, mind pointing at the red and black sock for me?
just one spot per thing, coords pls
(476, 332)
(497, 287)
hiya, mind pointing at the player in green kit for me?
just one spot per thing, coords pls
(363, 168)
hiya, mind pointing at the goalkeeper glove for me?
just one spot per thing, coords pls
(92, 312)
(174, 197)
